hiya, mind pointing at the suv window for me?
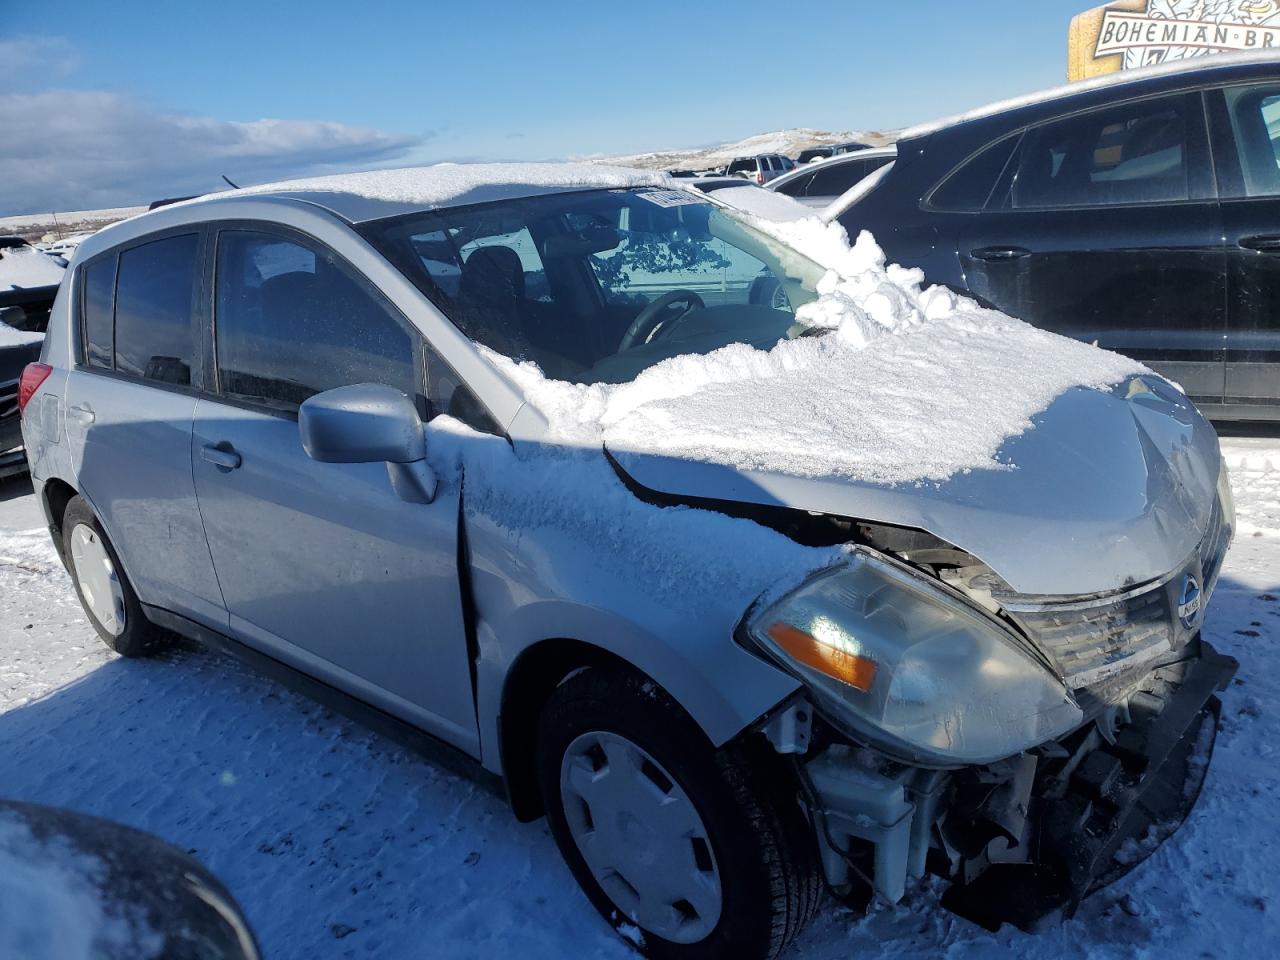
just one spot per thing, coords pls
(1255, 121)
(969, 188)
(835, 177)
(96, 327)
(291, 321)
(154, 290)
(797, 186)
(1136, 153)
(742, 166)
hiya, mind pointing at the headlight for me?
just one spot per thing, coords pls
(898, 660)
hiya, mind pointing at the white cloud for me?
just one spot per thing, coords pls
(29, 61)
(77, 150)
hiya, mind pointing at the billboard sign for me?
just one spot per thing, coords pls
(1137, 33)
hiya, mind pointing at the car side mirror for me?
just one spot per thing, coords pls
(370, 423)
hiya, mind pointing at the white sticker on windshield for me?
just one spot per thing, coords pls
(671, 198)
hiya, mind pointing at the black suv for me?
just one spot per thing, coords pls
(1141, 212)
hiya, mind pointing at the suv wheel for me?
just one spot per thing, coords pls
(705, 851)
(104, 591)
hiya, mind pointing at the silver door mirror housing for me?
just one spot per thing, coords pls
(364, 423)
(370, 423)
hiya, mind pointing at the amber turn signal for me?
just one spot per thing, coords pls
(857, 672)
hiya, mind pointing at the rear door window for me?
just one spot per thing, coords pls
(1137, 153)
(1255, 123)
(97, 304)
(291, 320)
(154, 335)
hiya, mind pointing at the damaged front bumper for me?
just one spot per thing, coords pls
(1029, 838)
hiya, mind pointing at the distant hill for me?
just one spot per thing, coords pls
(35, 226)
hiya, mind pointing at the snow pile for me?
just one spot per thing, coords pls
(446, 183)
(50, 904)
(26, 267)
(908, 384)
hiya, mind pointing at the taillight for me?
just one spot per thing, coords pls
(760, 179)
(33, 374)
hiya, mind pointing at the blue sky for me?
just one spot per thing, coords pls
(368, 84)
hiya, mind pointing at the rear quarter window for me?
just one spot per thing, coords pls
(797, 186)
(968, 188)
(96, 313)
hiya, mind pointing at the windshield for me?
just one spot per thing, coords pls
(597, 286)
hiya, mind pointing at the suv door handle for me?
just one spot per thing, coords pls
(1000, 254)
(221, 457)
(82, 412)
(1264, 244)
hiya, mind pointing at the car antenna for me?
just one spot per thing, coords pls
(229, 183)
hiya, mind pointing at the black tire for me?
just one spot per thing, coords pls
(745, 796)
(768, 292)
(140, 637)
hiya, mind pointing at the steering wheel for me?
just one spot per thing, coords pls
(650, 318)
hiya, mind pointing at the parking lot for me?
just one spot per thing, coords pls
(341, 844)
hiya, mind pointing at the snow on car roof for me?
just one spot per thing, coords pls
(766, 204)
(380, 193)
(870, 153)
(1123, 78)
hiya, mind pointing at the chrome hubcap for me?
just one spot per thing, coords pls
(99, 583)
(641, 836)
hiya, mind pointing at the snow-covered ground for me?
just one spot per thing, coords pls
(338, 843)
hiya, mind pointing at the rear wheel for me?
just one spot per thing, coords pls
(104, 591)
(704, 852)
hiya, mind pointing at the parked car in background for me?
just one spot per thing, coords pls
(1140, 212)
(712, 184)
(817, 185)
(411, 434)
(760, 169)
(833, 150)
(17, 349)
(29, 282)
(75, 887)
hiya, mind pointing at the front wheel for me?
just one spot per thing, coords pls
(702, 852)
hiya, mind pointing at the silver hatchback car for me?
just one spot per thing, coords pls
(754, 598)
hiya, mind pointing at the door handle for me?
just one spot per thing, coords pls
(82, 412)
(1269, 243)
(1000, 254)
(220, 456)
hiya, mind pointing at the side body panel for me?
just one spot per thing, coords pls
(323, 566)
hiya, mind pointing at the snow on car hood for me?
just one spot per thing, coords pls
(918, 408)
(26, 268)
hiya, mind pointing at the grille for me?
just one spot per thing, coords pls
(1102, 643)
(1104, 647)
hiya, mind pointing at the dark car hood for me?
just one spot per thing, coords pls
(1108, 490)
